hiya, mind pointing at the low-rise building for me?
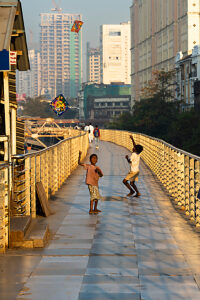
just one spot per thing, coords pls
(188, 77)
(102, 102)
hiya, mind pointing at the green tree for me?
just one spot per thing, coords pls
(161, 86)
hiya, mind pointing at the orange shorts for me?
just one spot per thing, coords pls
(132, 176)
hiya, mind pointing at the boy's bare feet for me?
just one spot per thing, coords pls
(137, 195)
(130, 194)
(96, 211)
(91, 212)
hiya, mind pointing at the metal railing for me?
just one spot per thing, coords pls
(51, 166)
(177, 170)
(4, 200)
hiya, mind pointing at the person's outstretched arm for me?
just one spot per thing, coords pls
(79, 159)
(132, 139)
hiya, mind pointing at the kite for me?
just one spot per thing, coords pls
(59, 105)
(76, 26)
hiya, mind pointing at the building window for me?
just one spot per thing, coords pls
(114, 33)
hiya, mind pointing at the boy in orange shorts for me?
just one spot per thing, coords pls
(92, 177)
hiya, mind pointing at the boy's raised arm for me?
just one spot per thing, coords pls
(132, 139)
(79, 159)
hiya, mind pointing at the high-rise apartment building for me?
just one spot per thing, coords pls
(61, 54)
(159, 30)
(115, 53)
(93, 64)
(29, 82)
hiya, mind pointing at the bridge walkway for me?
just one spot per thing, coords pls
(137, 248)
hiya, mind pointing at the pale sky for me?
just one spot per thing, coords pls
(94, 14)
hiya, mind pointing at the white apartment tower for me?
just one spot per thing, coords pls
(29, 82)
(61, 54)
(160, 29)
(115, 53)
(93, 64)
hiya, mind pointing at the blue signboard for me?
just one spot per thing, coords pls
(4, 60)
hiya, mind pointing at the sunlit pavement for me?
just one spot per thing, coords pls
(137, 248)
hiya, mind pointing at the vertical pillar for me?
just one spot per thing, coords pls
(27, 187)
(13, 131)
(7, 153)
(33, 194)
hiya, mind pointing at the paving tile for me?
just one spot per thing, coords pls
(99, 248)
(112, 262)
(155, 244)
(169, 288)
(110, 279)
(61, 265)
(164, 267)
(74, 250)
(112, 271)
(111, 288)
(109, 296)
(51, 288)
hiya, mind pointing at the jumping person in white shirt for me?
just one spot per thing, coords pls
(132, 176)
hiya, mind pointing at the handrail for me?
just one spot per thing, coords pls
(20, 156)
(167, 144)
(3, 165)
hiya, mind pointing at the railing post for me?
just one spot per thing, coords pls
(33, 193)
(46, 172)
(38, 175)
(55, 168)
(50, 170)
(187, 185)
(191, 190)
(3, 194)
(197, 188)
(27, 187)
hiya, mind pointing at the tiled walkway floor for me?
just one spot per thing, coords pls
(137, 248)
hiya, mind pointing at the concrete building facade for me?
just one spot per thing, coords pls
(29, 82)
(61, 54)
(93, 64)
(115, 53)
(159, 30)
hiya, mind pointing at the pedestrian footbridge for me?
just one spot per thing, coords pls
(136, 248)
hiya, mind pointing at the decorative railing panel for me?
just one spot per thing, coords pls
(4, 195)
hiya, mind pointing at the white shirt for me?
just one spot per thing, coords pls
(135, 161)
(86, 128)
(91, 128)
